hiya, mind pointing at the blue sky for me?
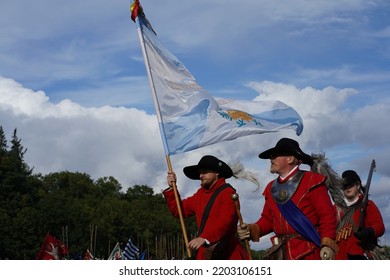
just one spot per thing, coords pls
(73, 82)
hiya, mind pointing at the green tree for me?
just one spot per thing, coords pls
(3, 164)
(3, 143)
(66, 202)
(16, 199)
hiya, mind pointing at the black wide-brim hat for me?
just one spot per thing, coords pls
(287, 147)
(208, 162)
(350, 177)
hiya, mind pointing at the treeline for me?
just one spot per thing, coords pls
(85, 214)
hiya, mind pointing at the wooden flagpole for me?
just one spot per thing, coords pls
(177, 198)
(235, 198)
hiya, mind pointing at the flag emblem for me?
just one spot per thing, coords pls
(241, 118)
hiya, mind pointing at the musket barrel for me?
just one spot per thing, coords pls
(365, 195)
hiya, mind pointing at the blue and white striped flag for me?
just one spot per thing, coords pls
(130, 252)
(189, 117)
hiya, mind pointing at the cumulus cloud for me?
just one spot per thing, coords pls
(327, 118)
(101, 141)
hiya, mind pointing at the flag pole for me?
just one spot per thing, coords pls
(177, 198)
(159, 118)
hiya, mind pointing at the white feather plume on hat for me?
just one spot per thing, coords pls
(239, 172)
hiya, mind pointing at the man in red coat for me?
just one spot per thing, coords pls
(354, 242)
(221, 224)
(297, 207)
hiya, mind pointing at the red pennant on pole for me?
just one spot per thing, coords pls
(52, 249)
(135, 8)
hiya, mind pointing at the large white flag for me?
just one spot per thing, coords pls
(189, 117)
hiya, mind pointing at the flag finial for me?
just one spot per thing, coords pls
(135, 9)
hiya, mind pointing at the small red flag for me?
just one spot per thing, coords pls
(135, 8)
(88, 255)
(52, 249)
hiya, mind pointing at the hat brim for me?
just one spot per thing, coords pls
(280, 151)
(274, 152)
(192, 171)
(350, 181)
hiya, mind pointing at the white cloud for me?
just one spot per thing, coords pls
(104, 141)
(328, 121)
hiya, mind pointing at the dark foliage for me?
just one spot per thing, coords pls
(82, 212)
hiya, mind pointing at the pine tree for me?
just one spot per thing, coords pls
(18, 192)
(3, 142)
(17, 157)
(3, 154)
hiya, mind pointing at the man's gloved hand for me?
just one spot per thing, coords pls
(327, 253)
(243, 231)
(364, 234)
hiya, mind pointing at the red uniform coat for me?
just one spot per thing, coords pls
(313, 200)
(351, 245)
(221, 222)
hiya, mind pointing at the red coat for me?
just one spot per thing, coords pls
(350, 244)
(221, 222)
(313, 200)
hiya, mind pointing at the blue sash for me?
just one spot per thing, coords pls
(299, 222)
